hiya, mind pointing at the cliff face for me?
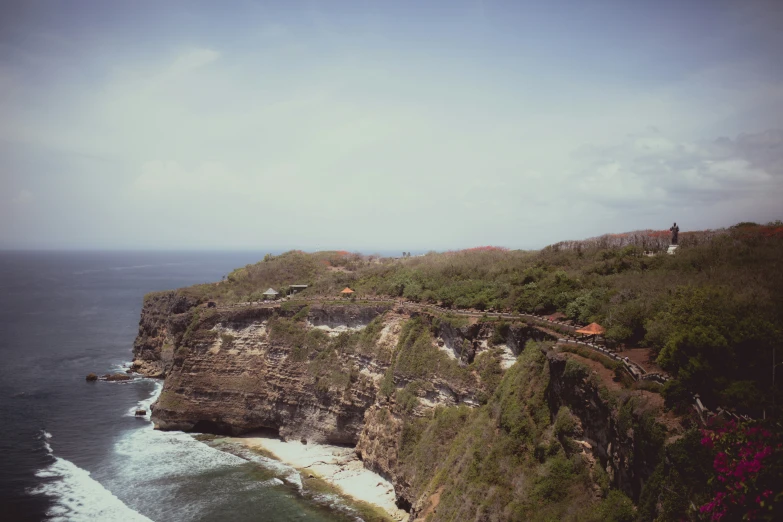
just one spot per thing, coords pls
(225, 373)
(623, 438)
(237, 370)
(619, 439)
(362, 375)
(164, 317)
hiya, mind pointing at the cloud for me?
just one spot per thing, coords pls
(22, 198)
(362, 132)
(653, 169)
(763, 150)
(193, 59)
(169, 178)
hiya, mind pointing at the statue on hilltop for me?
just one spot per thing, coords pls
(675, 230)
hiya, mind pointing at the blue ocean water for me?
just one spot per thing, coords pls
(73, 450)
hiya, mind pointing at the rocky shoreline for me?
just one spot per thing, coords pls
(337, 465)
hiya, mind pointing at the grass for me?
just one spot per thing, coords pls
(509, 459)
(609, 364)
(482, 456)
(416, 356)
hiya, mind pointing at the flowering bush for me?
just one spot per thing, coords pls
(748, 472)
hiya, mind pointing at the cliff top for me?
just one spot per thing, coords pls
(711, 314)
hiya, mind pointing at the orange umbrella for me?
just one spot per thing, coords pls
(347, 291)
(592, 329)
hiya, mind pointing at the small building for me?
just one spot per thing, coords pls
(271, 293)
(295, 289)
(347, 292)
(592, 330)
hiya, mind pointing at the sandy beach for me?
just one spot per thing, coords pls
(337, 465)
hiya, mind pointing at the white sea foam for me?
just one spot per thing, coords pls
(157, 465)
(78, 497)
(45, 436)
(146, 403)
(147, 470)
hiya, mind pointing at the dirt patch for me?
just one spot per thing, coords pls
(643, 357)
(672, 422)
(556, 335)
(605, 374)
(432, 505)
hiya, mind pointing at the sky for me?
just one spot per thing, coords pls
(377, 125)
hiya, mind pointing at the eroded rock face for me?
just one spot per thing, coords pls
(163, 319)
(225, 375)
(378, 447)
(614, 444)
(342, 316)
(466, 342)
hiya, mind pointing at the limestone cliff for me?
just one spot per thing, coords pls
(623, 438)
(620, 442)
(239, 369)
(225, 373)
(370, 376)
(164, 317)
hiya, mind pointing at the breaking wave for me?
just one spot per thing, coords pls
(76, 496)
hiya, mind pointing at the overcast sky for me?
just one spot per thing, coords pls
(384, 125)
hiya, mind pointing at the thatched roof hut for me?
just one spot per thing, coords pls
(592, 329)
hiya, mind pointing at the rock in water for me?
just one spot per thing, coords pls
(91, 377)
(116, 377)
(141, 413)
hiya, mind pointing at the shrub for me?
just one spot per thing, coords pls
(575, 370)
(387, 387)
(565, 423)
(616, 507)
(407, 397)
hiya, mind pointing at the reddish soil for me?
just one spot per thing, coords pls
(606, 375)
(434, 500)
(642, 357)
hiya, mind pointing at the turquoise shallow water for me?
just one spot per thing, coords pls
(73, 450)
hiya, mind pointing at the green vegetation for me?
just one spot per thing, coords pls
(609, 364)
(487, 464)
(616, 507)
(679, 479)
(416, 356)
(717, 342)
(227, 340)
(407, 397)
(487, 365)
(712, 313)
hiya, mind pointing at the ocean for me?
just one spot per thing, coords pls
(73, 450)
